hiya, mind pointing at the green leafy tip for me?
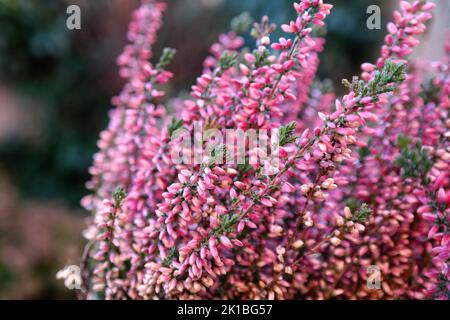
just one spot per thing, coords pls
(287, 134)
(226, 61)
(217, 154)
(241, 23)
(166, 58)
(172, 254)
(119, 195)
(362, 214)
(382, 81)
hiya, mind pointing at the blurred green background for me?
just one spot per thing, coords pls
(55, 88)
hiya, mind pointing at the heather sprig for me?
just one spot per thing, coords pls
(305, 226)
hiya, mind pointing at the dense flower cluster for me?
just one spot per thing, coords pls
(360, 181)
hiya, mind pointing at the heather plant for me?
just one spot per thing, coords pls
(348, 183)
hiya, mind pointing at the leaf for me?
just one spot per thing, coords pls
(166, 58)
(226, 61)
(414, 160)
(119, 195)
(286, 133)
(241, 23)
(362, 214)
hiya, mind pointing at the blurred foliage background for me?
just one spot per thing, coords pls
(55, 88)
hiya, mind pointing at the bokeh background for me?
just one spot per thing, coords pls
(55, 90)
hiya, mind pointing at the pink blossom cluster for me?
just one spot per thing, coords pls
(362, 180)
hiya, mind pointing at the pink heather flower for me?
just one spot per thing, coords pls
(363, 181)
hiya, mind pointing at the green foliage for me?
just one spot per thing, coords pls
(261, 58)
(287, 133)
(166, 58)
(217, 154)
(245, 167)
(174, 125)
(382, 81)
(255, 197)
(430, 92)
(173, 253)
(362, 214)
(413, 160)
(353, 204)
(241, 23)
(403, 141)
(363, 152)
(227, 223)
(119, 195)
(226, 61)
(392, 72)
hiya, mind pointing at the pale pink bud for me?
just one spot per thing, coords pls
(367, 67)
(239, 185)
(287, 187)
(276, 229)
(432, 231)
(405, 5)
(244, 69)
(298, 244)
(428, 6)
(441, 196)
(237, 242)
(240, 226)
(226, 242)
(265, 41)
(347, 213)
(335, 241)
